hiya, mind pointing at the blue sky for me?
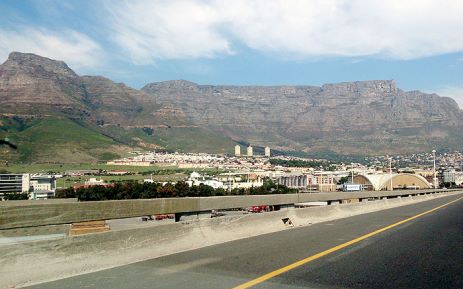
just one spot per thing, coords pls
(417, 43)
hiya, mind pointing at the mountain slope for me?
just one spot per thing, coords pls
(347, 118)
(54, 139)
(41, 96)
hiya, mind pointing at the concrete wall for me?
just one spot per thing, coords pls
(86, 253)
(25, 214)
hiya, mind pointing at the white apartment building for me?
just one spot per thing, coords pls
(237, 150)
(249, 151)
(267, 152)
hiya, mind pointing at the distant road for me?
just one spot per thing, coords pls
(426, 252)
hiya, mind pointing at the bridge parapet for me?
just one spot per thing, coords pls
(20, 214)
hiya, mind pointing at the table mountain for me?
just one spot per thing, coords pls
(371, 117)
(54, 114)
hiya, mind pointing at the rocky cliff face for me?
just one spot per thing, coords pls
(31, 83)
(35, 85)
(39, 95)
(352, 117)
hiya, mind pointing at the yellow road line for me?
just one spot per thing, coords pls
(294, 265)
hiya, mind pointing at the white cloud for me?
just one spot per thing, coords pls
(76, 49)
(455, 92)
(149, 30)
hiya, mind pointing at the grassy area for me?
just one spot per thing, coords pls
(54, 139)
(193, 139)
(40, 168)
(187, 139)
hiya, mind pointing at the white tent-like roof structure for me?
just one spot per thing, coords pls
(383, 181)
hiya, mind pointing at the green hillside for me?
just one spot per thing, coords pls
(54, 140)
(193, 139)
(62, 140)
(185, 139)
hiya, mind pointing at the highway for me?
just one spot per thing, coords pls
(422, 252)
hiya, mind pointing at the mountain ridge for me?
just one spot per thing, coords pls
(296, 113)
(361, 117)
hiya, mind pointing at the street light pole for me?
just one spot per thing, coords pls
(352, 167)
(434, 179)
(390, 172)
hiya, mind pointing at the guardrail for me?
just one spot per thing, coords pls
(19, 214)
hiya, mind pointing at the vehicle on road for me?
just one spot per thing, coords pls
(164, 216)
(258, 209)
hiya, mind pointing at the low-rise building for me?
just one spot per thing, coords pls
(137, 163)
(41, 195)
(91, 183)
(117, 173)
(14, 183)
(193, 165)
(77, 173)
(240, 180)
(195, 179)
(322, 182)
(42, 187)
(453, 177)
(36, 186)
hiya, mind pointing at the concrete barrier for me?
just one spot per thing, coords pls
(18, 214)
(86, 253)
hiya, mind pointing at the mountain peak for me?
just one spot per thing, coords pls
(35, 63)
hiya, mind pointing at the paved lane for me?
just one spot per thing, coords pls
(423, 253)
(426, 253)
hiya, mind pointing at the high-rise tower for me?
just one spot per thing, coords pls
(249, 151)
(237, 150)
(267, 152)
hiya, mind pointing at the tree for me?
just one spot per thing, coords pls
(135, 190)
(16, 196)
(166, 191)
(343, 180)
(65, 193)
(182, 189)
(205, 190)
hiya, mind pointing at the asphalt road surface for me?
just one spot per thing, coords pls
(426, 252)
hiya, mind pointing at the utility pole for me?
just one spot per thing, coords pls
(434, 179)
(352, 167)
(390, 172)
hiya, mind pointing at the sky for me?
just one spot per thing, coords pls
(418, 43)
